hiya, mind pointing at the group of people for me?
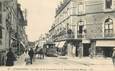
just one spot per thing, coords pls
(11, 57)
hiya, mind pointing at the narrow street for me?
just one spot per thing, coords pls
(71, 35)
(57, 62)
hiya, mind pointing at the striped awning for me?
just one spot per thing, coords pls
(22, 44)
(61, 44)
(57, 44)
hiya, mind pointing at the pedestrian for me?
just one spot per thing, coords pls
(31, 54)
(27, 57)
(90, 52)
(113, 56)
(10, 58)
(79, 52)
(41, 53)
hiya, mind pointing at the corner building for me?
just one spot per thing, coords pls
(81, 25)
(100, 16)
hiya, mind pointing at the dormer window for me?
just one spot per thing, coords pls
(108, 4)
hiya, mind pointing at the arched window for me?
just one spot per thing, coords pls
(108, 27)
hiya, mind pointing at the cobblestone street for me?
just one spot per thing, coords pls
(57, 35)
(71, 64)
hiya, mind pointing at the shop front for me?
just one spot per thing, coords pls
(105, 47)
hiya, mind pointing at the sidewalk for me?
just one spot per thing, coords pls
(89, 61)
(20, 60)
(94, 61)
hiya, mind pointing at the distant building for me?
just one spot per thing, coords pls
(41, 41)
(63, 29)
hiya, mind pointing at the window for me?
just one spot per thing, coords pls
(108, 4)
(80, 8)
(0, 33)
(108, 27)
(0, 19)
(0, 6)
(80, 27)
(68, 11)
(74, 9)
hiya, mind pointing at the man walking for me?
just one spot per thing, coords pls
(31, 54)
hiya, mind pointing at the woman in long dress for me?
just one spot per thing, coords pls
(10, 58)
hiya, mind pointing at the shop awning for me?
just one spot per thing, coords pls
(85, 41)
(61, 44)
(105, 43)
(22, 44)
(57, 44)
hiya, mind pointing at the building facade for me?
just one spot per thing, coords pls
(100, 16)
(9, 18)
(85, 25)
(63, 29)
(22, 41)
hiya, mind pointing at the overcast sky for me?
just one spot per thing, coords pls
(40, 16)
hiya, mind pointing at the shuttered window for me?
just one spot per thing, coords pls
(0, 33)
(0, 18)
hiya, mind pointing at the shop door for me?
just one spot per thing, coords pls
(86, 49)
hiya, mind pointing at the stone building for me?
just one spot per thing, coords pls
(100, 17)
(9, 28)
(63, 30)
(8, 18)
(85, 24)
(22, 41)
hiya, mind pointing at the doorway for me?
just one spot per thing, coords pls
(86, 49)
(107, 51)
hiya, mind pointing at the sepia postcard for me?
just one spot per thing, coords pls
(57, 35)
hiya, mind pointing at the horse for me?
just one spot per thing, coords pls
(40, 54)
